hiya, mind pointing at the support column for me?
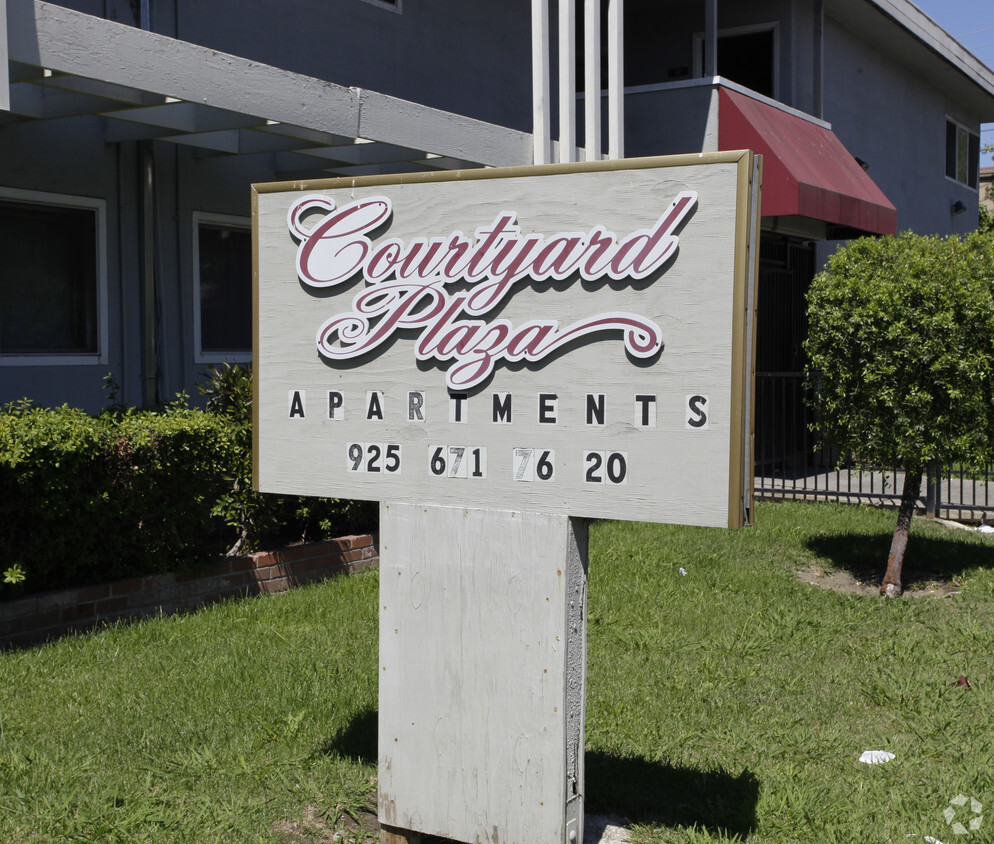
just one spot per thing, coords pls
(818, 60)
(592, 79)
(616, 78)
(567, 80)
(541, 120)
(710, 39)
(482, 674)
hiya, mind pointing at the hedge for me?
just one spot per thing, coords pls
(85, 499)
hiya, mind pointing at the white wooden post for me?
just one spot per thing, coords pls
(541, 120)
(592, 79)
(616, 78)
(567, 80)
(482, 674)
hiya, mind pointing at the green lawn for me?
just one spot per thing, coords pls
(727, 704)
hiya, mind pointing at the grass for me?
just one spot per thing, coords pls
(730, 703)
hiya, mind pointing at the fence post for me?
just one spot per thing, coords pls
(933, 491)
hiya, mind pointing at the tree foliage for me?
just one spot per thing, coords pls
(901, 350)
(902, 338)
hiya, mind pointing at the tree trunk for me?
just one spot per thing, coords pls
(891, 587)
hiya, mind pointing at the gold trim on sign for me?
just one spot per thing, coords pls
(255, 339)
(614, 164)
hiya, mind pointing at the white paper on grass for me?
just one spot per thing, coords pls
(875, 757)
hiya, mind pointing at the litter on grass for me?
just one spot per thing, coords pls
(683, 571)
(986, 529)
(875, 757)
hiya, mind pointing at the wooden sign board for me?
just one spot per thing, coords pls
(570, 339)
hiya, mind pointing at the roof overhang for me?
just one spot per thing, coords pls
(142, 85)
(807, 172)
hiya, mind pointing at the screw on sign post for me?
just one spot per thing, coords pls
(497, 356)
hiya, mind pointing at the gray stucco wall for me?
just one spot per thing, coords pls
(470, 58)
(895, 120)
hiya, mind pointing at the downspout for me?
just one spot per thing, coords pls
(150, 391)
(150, 379)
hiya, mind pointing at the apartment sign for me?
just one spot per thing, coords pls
(572, 340)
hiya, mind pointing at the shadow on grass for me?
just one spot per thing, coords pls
(927, 559)
(640, 790)
(357, 739)
(653, 792)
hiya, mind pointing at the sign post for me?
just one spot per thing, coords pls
(497, 356)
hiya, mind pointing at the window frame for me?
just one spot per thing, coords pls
(972, 163)
(213, 356)
(99, 206)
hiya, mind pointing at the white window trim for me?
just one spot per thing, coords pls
(390, 7)
(772, 26)
(199, 355)
(101, 356)
(961, 125)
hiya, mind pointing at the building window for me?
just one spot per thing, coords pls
(962, 154)
(222, 264)
(52, 279)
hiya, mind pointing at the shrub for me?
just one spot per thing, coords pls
(87, 499)
(262, 519)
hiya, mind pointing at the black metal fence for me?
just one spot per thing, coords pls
(792, 461)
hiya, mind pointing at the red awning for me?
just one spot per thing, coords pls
(806, 170)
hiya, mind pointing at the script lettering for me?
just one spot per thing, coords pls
(408, 283)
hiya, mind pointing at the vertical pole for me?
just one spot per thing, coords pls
(4, 63)
(149, 291)
(541, 122)
(710, 39)
(482, 673)
(592, 79)
(818, 60)
(616, 78)
(567, 80)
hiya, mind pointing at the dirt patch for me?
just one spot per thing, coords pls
(316, 828)
(848, 584)
(319, 828)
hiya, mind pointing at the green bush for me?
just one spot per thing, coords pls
(86, 499)
(261, 519)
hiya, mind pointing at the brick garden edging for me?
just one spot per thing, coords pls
(35, 619)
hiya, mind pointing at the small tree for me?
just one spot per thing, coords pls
(901, 350)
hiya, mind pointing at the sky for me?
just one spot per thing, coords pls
(971, 22)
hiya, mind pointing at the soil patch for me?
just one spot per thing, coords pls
(923, 585)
